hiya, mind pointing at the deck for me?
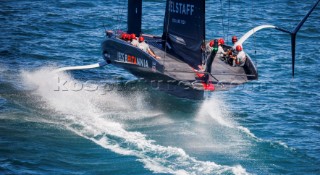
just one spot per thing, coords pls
(175, 68)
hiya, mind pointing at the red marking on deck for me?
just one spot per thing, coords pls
(208, 86)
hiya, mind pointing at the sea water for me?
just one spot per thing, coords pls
(78, 123)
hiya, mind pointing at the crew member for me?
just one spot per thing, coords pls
(125, 36)
(240, 58)
(231, 51)
(221, 53)
(145, 47)
(209, 47)
(128, 37)
(234, 40)
(134, 40)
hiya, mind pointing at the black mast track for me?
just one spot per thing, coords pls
(134, 16)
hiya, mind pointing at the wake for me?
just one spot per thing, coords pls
(91, 115)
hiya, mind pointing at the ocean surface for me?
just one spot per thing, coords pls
(267, 126)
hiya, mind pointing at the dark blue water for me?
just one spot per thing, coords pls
(268, 126)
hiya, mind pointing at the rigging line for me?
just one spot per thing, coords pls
(213, 77)
(254, 36)
(104, 26)
(222, 19)
(210, 7)
(228, 22)
(122, 11)
(167, 30)
(105, 29)
(118, 17)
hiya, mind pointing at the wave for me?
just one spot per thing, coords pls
(91, 115)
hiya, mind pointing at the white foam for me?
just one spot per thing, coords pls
(86, 113)
(283, 144)
(217, 111)
(247, 131)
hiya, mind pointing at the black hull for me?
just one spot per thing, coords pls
(170, 74)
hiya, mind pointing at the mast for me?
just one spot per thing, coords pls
(134, 16)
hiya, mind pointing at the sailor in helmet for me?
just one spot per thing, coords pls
(145, 47)
(221, 53)
(234, 39)
(134, 40)
(240, 58)
(209, 48)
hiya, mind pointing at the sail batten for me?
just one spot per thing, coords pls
(184, 29)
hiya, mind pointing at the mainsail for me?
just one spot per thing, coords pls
(184, 29)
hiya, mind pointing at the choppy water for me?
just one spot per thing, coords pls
(269, 126)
